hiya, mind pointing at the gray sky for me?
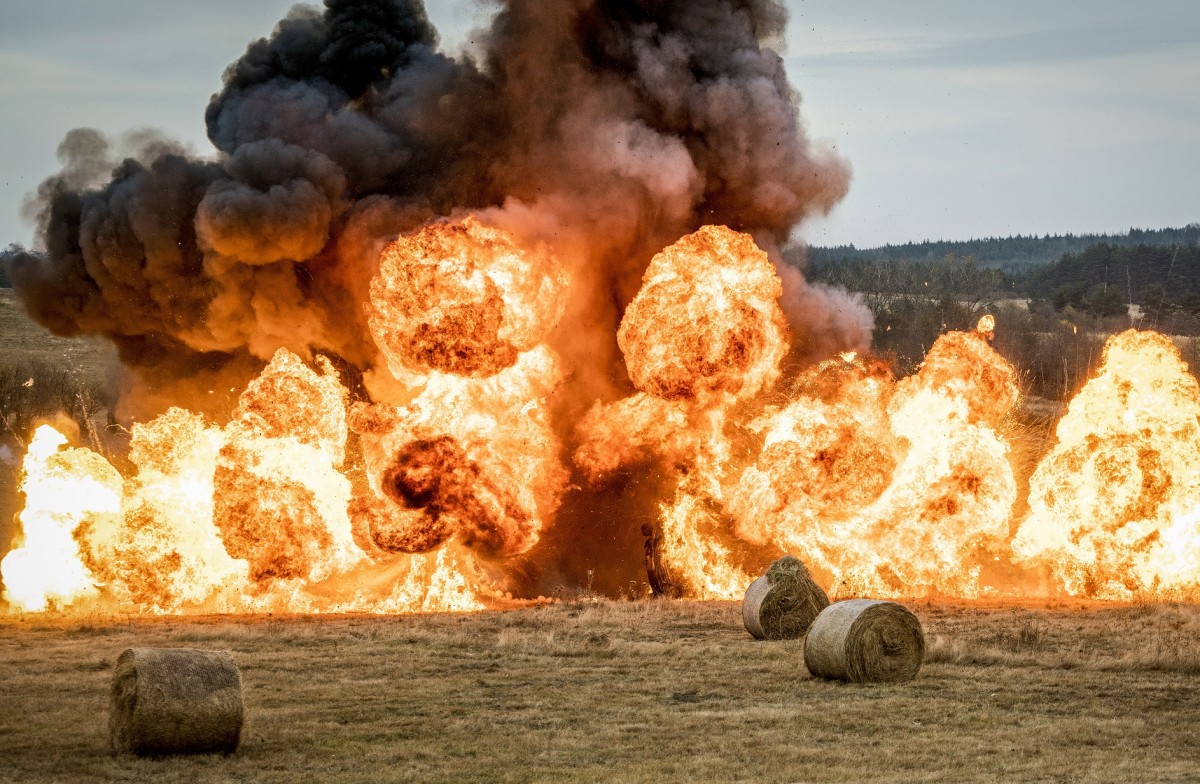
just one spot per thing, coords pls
(960, 119)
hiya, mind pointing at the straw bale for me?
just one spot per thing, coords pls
(782, 604)
(865, 640)
(175, 701)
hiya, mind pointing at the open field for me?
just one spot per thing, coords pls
(639, 691)
(22, 339)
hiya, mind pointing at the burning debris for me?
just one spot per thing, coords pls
(429, 331)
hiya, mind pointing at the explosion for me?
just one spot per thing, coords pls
(706, 326)
(1115, 505)
(704, 331)
(62, 489)
(434, 333)
(462, 299)
(888, 487)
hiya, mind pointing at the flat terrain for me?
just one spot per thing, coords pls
(22, 339)
(648, 691)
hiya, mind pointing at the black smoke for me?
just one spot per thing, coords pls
(614, 126)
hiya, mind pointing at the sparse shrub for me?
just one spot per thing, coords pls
(31, 390)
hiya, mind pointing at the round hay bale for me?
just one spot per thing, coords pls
(175, 701)
(865, 640)
(782, 604)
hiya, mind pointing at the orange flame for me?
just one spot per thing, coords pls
(307, 502)
(884, 487)
(462, 298)
(704, 332)
(63, 489)
(706, 322)
(1115, 505)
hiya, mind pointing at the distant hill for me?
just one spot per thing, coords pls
(1011, 254)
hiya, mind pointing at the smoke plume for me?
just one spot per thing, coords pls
(622, 125)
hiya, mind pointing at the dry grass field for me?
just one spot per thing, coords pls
(23, 340)
(647, 691)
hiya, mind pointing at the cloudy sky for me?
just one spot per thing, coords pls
(960, 119)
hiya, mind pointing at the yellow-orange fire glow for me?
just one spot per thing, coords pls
(63, 489)
(162, 552)
(706, 322)
(885, 487)
(703, 332)
(462, 298)
(471, 457)
(1115, 505)
(313, 499)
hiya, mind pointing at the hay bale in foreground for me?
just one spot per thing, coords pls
(865, 640)
(783, 603)
(175, 701)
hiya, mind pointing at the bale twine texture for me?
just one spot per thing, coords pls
(175, 701)
(865, 640)
(783, 603)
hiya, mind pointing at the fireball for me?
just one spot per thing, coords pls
(706, 326)
(1115, 505)
(462, 298)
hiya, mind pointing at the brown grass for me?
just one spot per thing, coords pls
(647, 691)
(22, 339)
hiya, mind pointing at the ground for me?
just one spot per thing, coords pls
(646, 691)
(22, 339)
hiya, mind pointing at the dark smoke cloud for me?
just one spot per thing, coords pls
(277, 204)
(363, 85)
(613, 126)
(120, 259)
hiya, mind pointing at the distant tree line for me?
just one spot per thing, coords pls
(1102, 280)
(1051, 319)
(1165, 281)
(960, 278)
(1007, 253)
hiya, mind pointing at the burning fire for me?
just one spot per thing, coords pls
(464, 311)
(420, 272)
(888, 487)
(62, 488)
(250, 516)
(305, 501)
(881, 485)
(483, 344)
(429, 494)
(1115, 505)
(704, 332)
